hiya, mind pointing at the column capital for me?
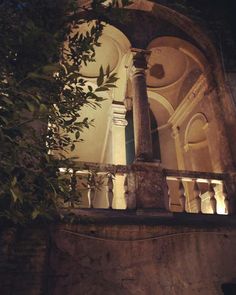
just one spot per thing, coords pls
(118, 113)
(140, 57)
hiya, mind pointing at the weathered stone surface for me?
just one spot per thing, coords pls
(141, 260)
(147, 183)
(23, 261)
(151, 190)
(142, 129)
(119, 259)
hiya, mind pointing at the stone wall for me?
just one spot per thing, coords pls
(23, 261)
(140, 260)
(157, 256)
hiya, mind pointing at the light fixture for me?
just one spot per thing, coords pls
(128, 103)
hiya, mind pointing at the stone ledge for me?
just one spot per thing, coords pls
(149, 217)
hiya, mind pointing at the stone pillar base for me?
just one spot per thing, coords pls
(149, 186)
(231, 191)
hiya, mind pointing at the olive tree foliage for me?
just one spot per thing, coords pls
(41, 96)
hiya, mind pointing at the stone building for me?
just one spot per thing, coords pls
(163, 151)
(174, 101)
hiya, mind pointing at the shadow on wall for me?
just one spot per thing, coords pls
(229, 288)
(157, 71)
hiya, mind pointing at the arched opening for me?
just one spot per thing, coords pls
(197, 154)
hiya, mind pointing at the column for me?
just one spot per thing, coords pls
(118, 124)
(147, 178)
(142, 130)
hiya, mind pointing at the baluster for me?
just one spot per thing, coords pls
(126, 192)
(226, 198)
(169, 197)
(73, 188)
(110, 186)
(212, 197)
(182, 197)
(91, 186)
(197, 193)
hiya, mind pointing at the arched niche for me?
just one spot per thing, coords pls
(197, 154)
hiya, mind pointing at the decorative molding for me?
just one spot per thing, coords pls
(195, 145)
(162, 127)
(162, 100)
(175, 132)
(118, 113)
(194, 96)
(116, 117)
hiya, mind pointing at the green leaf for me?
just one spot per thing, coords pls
(4, 119)
(30, 106)
(7, 100)
(49, 69)
(99, 89)
(43, 108)
(14, 181)
(112, 80)
(108, 71)
(77, 134)
(110, 85)
(14, 195)
(90, 88)
(100, 78)
(35, 214)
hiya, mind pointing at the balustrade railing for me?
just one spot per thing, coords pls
(95, 184)
(100, 185)
(198, 192)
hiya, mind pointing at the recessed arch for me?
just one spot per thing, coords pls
(197, 138)
(181, 21)
(170, 62)
(214, 70)
(162, 100)
(181, 45)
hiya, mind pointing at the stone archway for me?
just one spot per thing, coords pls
(222, 102)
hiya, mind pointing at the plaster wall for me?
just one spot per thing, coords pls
(167, 146)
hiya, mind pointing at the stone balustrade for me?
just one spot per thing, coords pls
(198, 192)
(173, 190)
